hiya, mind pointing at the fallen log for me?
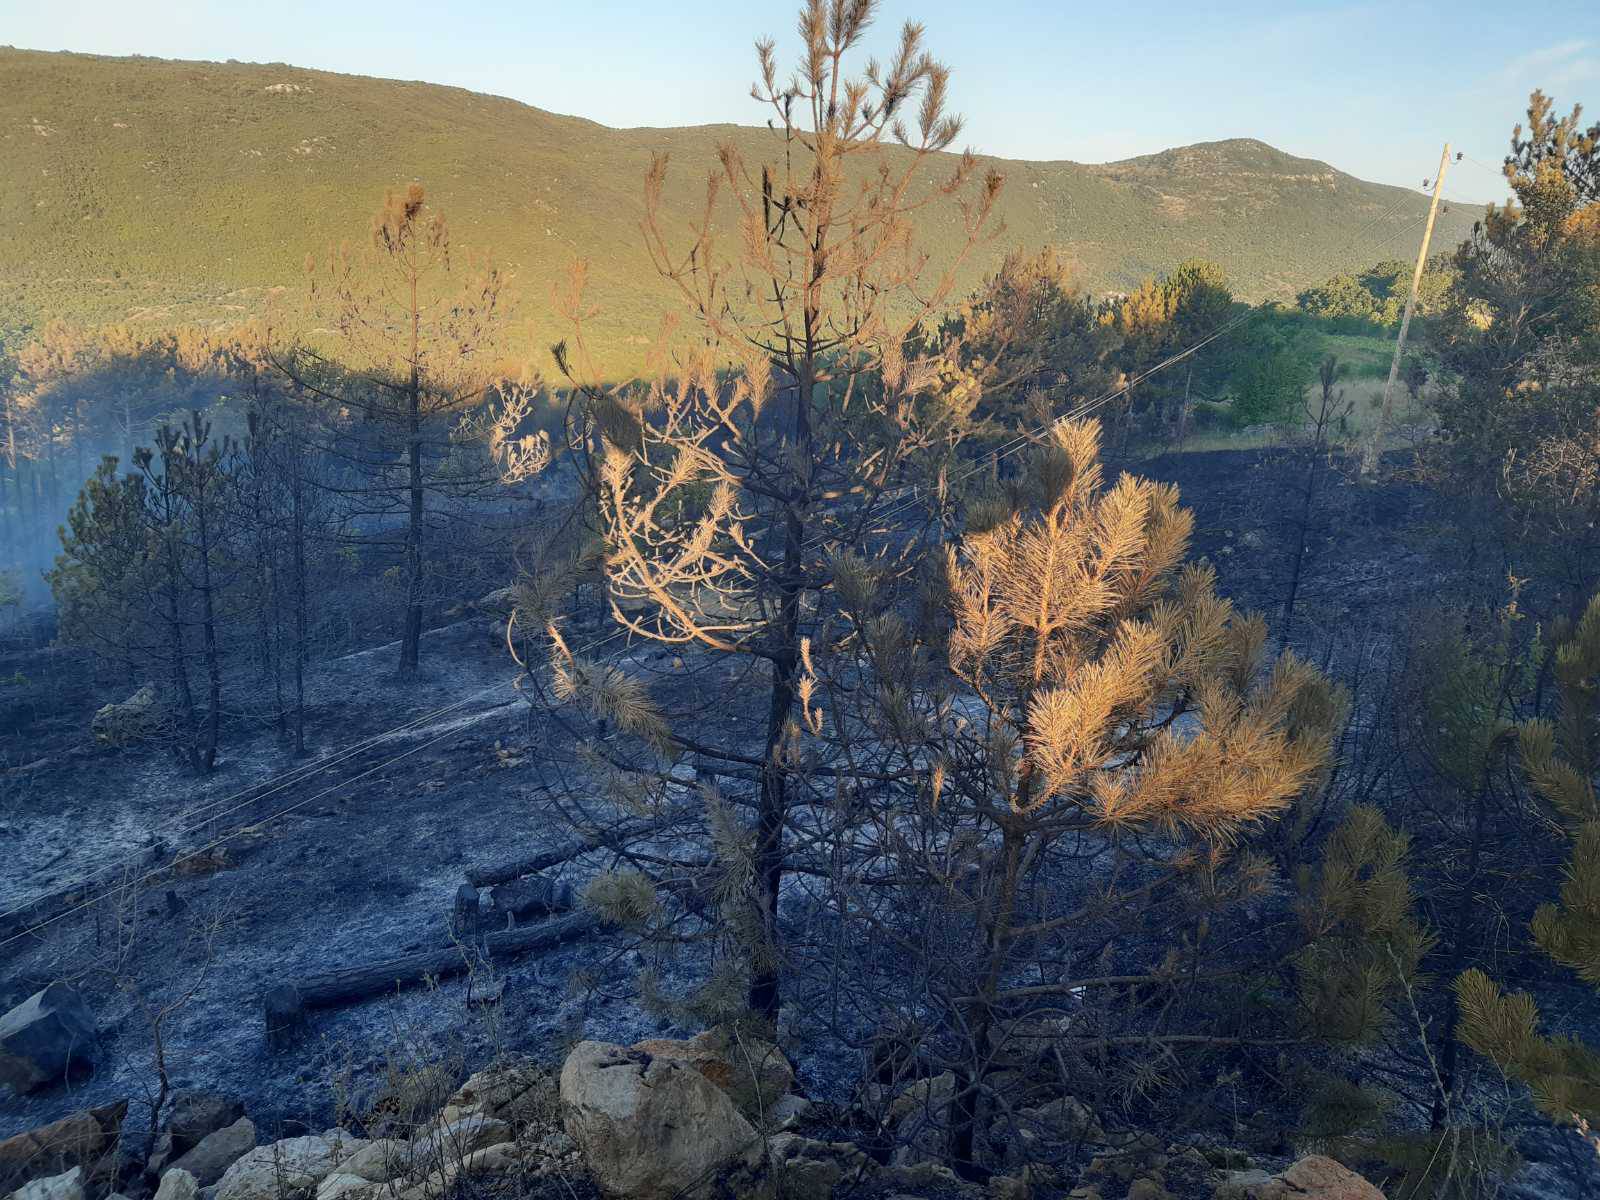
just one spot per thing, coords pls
(284, 1005)
(481, 877)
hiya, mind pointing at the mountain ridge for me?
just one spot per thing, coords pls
(167, 191)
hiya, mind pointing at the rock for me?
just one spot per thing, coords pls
(1009, 1187)
(453, 1142)
(44, 1037)
(653, 1128)
(378, 1161)
(521, 1093)
(1063, 1121)
(1316, 1177)
(292, 1165)
(136, 719)
(86, 1139)
(787, 1112)
(753, 1072)
(1148, 1188)
(809, 1170)
(340, 1185)
(1237, 1185)
(218, 1151)
(178, 1184)
(55, 1187)
(197, 1115)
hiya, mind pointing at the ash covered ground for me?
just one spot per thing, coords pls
(368, 851)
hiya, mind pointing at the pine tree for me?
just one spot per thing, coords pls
(418, 327)
(1562, 761)
(805, 406)
(1095, 695)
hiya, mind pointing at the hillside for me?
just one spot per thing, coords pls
(151, 190)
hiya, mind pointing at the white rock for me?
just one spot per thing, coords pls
(218, 1151)
(652, 1128)
(178, 1184)
(378, 1161)
(292, 1165)
(68, 1186)
(340, 1185)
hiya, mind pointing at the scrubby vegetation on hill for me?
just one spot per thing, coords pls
(174, 192)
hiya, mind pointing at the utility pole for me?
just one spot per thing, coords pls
(1369, 461)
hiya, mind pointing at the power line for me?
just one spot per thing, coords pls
(255, 793)
(158, 871)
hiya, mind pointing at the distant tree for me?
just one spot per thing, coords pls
(1517, 401)
(1325, 417)
(146, 573)
(418, 331)
(1160, 318)
(1269, 382)
(1031, 346)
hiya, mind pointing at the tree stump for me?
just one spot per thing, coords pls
(285, 1014)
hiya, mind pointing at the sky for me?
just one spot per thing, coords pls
(1373, 88)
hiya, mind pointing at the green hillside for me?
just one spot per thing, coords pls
(159, 191)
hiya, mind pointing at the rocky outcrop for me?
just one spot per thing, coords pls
(86, 1139)
(136, 719)
(44, 1037)
(804, 1169)
(1314, 1177)
(519, 1093)
(217, 1151)
(68, 1186)
(292, 1165)
(753, 1072)
(178, 1184)
(195, 1116)
(653, 1128)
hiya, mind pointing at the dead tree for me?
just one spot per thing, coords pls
(799, 421)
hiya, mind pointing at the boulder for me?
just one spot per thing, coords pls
(753, 1072)
(178, 1184)
(652, 1128)
(378, 1161)
(809, 1170)
(520, 1093)
(292, 1165)
(341, 1186)
(136, 719)
(787, 1113)
(452, 1142)
(1314, 1177)
(86, 1139)
(920, 1118)
(1064, 1121)
(218, 1151)
(48, 1034)
(55, 1187)
(197, 1115)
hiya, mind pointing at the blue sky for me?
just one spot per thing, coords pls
(1372, 88)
